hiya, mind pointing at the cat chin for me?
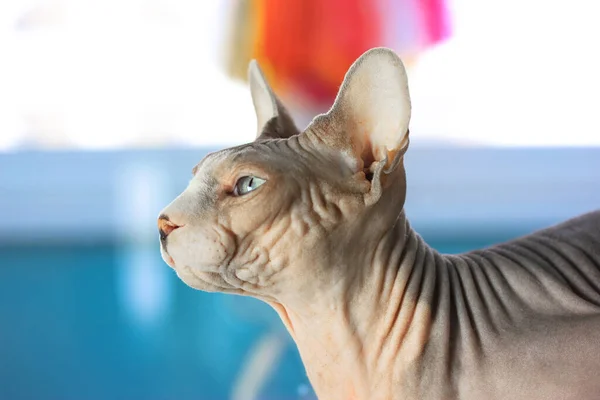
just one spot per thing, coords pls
(206, 281)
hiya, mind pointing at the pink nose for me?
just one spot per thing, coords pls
(165, 227)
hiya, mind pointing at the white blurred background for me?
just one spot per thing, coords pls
(90, 74)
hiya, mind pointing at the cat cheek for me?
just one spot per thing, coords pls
(197, 249)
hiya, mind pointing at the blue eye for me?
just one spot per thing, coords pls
(246, 184)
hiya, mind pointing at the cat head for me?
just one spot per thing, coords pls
(292, 210)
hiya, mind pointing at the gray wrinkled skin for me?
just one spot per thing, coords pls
(375, 312)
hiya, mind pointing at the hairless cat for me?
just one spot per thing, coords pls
(312, 223)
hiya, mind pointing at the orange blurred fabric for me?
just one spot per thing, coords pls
(306, 46)
(311, 43)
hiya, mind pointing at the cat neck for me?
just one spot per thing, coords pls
(371, 323)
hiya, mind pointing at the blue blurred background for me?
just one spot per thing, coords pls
(107, 105)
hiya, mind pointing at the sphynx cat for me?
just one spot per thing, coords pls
(312, 223)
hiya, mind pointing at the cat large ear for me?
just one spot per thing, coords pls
(273, 120)
(370, 116)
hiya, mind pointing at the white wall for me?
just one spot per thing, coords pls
(113, 73)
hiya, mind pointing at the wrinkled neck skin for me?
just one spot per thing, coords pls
(363, 332)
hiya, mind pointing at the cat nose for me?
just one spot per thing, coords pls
(165, 227)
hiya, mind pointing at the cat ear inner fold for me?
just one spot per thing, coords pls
(371, 113)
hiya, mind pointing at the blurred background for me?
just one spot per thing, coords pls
(105, 106)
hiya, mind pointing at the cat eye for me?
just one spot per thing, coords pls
(246, 184)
